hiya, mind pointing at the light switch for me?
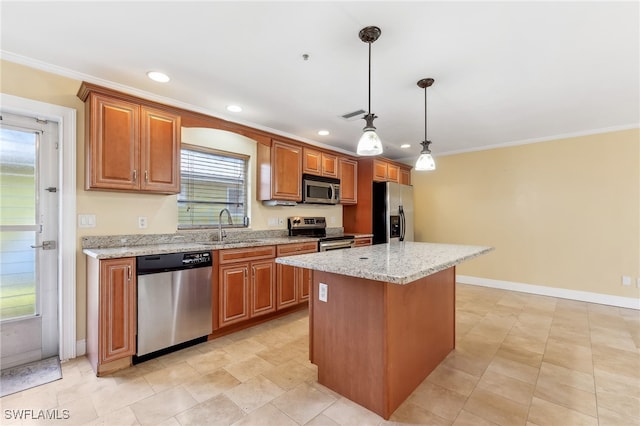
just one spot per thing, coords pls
(86, 221)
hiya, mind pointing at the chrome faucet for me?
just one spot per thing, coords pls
(220, 234)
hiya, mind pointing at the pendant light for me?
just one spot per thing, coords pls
(369, 143)
(425, 160)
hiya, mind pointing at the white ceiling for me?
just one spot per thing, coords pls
(505, 72)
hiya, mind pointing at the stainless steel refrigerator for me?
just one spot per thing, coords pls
(392, 212)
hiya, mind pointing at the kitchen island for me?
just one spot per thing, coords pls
(381, 317)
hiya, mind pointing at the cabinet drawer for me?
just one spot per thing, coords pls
(242, 254)
(297, 248)
(363, 241)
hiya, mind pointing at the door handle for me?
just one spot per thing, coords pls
(46, 245)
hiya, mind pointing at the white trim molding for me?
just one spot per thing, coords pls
(81, 347)
(563, 293)
(66, 119)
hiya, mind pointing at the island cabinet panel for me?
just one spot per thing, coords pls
(377, 351)
(293, 283)
(247, 284)
(111, 313)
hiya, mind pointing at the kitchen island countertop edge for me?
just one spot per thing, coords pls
(396, 262)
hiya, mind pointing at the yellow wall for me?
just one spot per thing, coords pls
(563, 213)
(117, 213)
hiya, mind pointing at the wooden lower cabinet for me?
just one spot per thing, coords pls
(247, 286)
(363, 241)
(293, 282)
(234, 293)
(111, 313)
(263, 297)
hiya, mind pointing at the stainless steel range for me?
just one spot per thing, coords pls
(316, 227)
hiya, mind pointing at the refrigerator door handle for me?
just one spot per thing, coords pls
(402, 223)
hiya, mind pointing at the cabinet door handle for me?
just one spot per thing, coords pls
(129, 273)
(135, 175)
(146, 176)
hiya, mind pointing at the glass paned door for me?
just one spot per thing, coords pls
(29, 318)
(18, 220)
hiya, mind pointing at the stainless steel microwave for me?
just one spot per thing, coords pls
(320, 190)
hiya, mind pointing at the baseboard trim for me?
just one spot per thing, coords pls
(81, 347)
(563, 293)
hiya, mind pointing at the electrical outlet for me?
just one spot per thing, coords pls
(626, 280)
(323, 292)
(281, 221)
(272, 221)
(142, 222)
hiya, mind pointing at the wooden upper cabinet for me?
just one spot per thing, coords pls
(312, 161)
(405, 177)
(379, 170)
(112, 158)
(160, 151)
(348, 180)
(386, 171)
(131, 144)
(393, 173)
(286, 171)
(329, 165)
(319, 163)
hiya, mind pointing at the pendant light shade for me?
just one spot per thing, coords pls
(369, 143)
(425, 160)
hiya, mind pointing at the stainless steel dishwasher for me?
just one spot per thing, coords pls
(174, 300)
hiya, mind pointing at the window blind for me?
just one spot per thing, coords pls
(211, 181)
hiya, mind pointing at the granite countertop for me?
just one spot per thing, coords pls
(143, 250)
(397, 263)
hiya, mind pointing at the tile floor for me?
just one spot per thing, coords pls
(520, 360)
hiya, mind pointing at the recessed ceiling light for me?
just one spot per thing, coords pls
(158, 76)
(234, 108)
(323, 132)
(405, 146)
